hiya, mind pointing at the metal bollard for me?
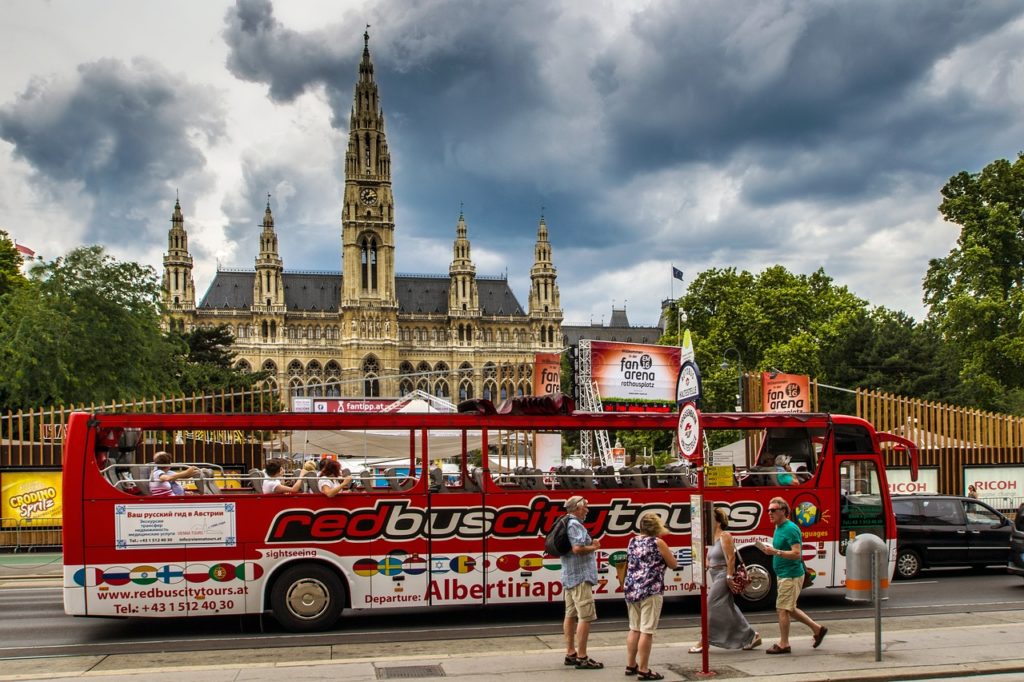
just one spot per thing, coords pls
(867, 577)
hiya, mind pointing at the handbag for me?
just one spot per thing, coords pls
(740, 579)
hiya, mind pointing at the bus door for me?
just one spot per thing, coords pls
(456, 568)
(860, 503)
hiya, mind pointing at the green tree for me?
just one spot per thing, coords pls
(976, 293)
(775, 319)
(10, 265)
(85, 328)
(206, 367)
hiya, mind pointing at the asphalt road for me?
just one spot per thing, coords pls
(34, 623)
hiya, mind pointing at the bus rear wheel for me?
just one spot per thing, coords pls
(307, 597)
(760, 593)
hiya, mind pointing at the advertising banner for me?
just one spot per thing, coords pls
(31, 497)
(899, 481)
(785, 392)
(634, 372)
(547, 373)
(358, 405)
(138, 526)
(994, 483)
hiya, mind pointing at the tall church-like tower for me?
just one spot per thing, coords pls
(368, 296)
(178, 285)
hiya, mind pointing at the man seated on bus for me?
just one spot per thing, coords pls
(165, 482)
(272, 485)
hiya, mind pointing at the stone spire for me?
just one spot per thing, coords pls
(179, 289)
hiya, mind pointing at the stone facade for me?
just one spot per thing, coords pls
(365, 331)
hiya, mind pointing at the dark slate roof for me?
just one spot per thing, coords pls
(321, 291)
(232, 290)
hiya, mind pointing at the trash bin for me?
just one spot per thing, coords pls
(860, 553)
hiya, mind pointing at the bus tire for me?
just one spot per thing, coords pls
(760, 593)
(908, 564)
(307, 598)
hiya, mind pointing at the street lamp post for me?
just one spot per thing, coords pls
(739, 374)
(680, 318)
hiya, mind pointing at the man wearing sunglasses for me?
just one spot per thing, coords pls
(788, 564)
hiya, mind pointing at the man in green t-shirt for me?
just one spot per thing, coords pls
(786, 552)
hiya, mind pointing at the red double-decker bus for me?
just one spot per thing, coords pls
(414, 533)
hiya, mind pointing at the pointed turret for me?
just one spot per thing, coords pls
(179, 289)
(545, 306)
(463, 295)
(268, 286)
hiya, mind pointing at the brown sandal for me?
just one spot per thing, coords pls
(776, 649)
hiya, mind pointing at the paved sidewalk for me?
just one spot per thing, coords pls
(914, 647)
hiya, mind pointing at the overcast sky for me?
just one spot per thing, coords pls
(695, 133)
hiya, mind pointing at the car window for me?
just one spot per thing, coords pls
(981, 515)
(942, 512)
(905, 511)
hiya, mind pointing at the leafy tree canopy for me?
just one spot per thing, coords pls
(85, 328)
(976, 293)
(10, 264)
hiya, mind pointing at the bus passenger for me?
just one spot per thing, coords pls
(272, 485)
(329, 483)
(785, 471)
(165, 482)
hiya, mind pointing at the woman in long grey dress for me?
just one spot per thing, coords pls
(728, 628)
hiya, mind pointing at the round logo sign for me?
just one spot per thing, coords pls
(688, 431)
(688, 383)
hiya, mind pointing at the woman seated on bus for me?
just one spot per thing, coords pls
(165, 482)
(329, 482)
(784, 472)
(272, 485)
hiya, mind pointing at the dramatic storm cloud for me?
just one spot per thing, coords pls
(695, 133)
(117, 138)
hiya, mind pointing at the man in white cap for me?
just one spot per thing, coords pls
(579, 575)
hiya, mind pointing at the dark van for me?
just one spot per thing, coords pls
(946, 530)
(1016, 562)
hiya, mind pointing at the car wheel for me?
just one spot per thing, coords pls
(908, 564)
(760, 593)
(307, 597)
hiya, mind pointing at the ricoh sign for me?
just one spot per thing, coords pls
(995, 481)
(900, 483)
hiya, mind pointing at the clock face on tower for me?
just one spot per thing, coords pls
(368, 196)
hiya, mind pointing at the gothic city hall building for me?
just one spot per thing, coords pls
(366, 331)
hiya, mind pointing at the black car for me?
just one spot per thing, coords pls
(1016, 562)
(946, 530)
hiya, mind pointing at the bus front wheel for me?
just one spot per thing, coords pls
(760, 593)
(307, 597)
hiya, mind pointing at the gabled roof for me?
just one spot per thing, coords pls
(321, 291)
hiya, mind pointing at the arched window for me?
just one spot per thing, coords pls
(368, 262)
(371, 384)
(296, 388)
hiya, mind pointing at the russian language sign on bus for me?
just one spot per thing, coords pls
(785, 392)
(634, 371)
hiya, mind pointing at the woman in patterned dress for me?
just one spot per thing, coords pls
(647, 558)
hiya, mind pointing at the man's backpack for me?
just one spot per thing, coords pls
(557, 542)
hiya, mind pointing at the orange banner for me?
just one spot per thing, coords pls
(785, 392)
(547, 372)
(634, 371)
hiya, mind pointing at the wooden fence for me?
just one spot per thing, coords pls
(32, 439)
(948, 437)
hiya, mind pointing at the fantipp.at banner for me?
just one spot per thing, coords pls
(634, 371)
(31, 496)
